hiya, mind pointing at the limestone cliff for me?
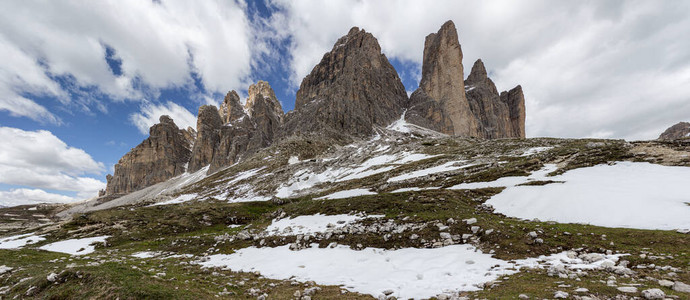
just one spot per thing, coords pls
(161, 156)
(351, 90)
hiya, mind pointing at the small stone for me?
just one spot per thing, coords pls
(475, 229)
(627, 289)
(653, 294)
(539, 241)
(581, 290)
(532, 234)
(445, 235)
(414, 236)
(523, 296)
(388, 292)
(52, 277)
(560, 295)
(470, 221)
(488, 231)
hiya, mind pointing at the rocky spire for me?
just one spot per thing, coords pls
(264, 110)
(515, 100)
(440, 103)
(263, 91)
(208, 125)
(161, 156)
(231, 109)
(351, 90)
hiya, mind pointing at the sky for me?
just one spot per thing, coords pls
(82, 81)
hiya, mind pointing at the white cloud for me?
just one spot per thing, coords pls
(16, 197)
(150, 113)
(39, 159)
(159, 43)
(618, 69)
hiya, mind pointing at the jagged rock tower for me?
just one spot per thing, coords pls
(445, 103)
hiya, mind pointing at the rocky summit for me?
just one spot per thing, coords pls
(680, 131)
(163, 155)
(351, 91)
(446, 103)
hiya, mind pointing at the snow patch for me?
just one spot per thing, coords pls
(535, 150)
(19, 241)
(400, 125)
(409, 272)
(347, 194)
(293, 160)
(449, 166)
(177, 200)
(311, 224)
(510, 181)
(627, 194)
(414, 189)
(75, 246)
(146, 254)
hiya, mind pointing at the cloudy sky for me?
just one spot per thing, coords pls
(81, 81)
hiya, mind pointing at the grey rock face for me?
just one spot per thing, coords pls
(443, 82)
(231, 109)
(351, 90)
(208, 127)
(515, 100)
(161, 156)
(676, 132)
(224, 138)
(445, 103)
(265, 110)
(497, 117)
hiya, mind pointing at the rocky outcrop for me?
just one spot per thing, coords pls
(676, 132)
(447, 104)
(231, 109)
(208, 128)
(515, 100)
(225, 136)
(265, 110)
(498, 117)
(161, 156)
(440, 103)
(351, 90)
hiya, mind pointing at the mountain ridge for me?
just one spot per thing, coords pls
(350, 93)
